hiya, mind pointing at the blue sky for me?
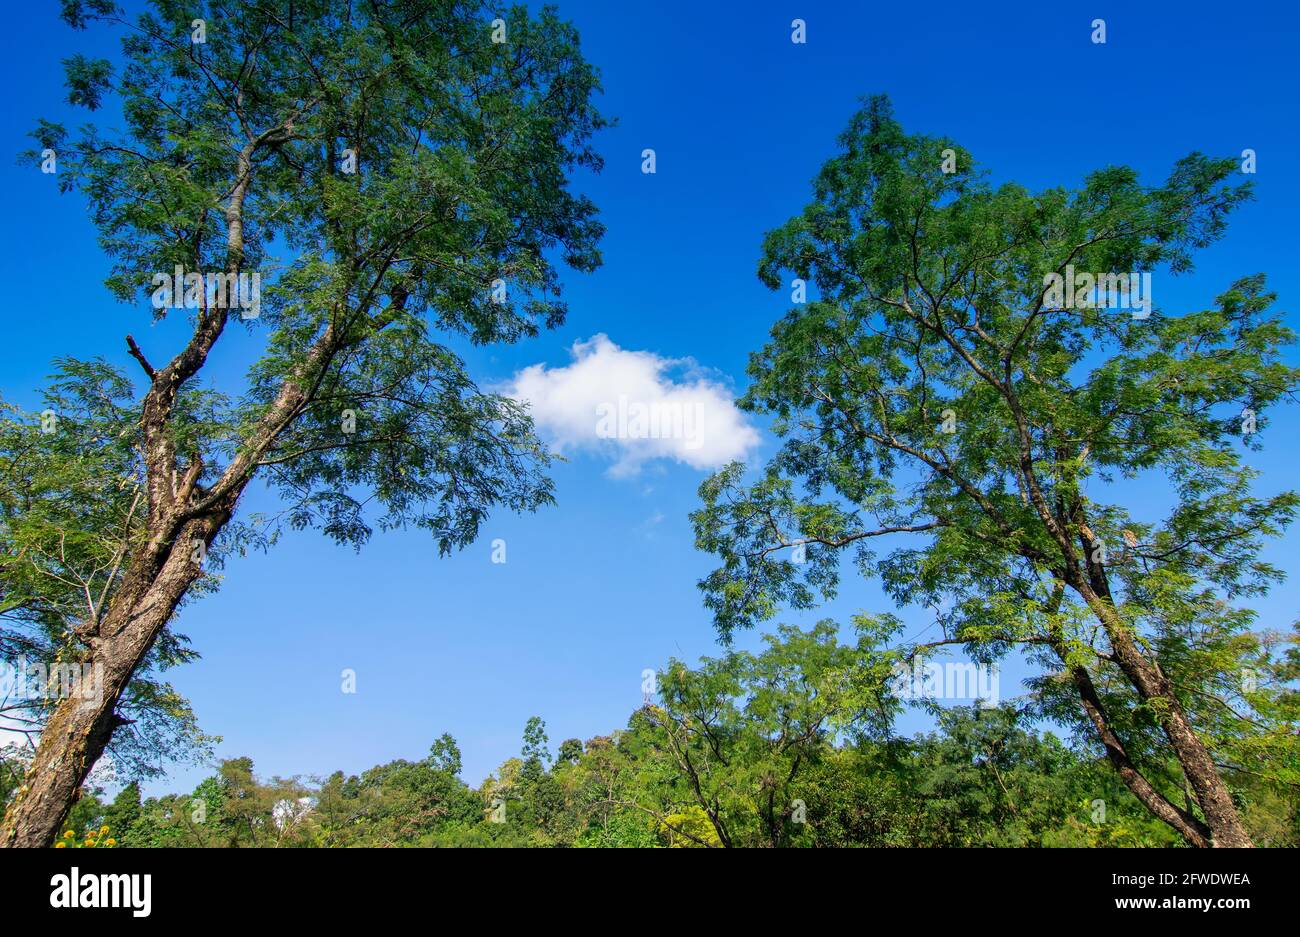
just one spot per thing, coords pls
(602, 586)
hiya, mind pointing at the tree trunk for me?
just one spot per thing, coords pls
(1192, 830)
(79, 729)
(1221, 817)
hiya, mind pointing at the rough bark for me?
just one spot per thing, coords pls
(1189, 827)
(1212, 795)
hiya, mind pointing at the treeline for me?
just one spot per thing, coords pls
(788, 747)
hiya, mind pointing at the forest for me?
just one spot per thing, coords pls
(787, 747)
(981, 779)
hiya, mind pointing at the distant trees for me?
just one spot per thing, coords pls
(787, 747)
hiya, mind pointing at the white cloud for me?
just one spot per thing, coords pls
(629, 405)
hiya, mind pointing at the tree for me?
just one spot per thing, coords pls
(623, 831)
(570, 751)
(444, 755)
(986, 780)
(940, 389)
(400, 802)
(731, 740)
(535, 754)
(124, 811)
(416, 172)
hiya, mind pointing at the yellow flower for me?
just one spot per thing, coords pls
(112, 842)
(69, 834)
(103, 829)
(60, 845)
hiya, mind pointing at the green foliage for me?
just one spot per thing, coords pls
(619, 831)
(935, 391)
(125, 810)
(778, 748)
(453, 192)
(444, 755)
(12, 768)
(570, 751)
(535, 755)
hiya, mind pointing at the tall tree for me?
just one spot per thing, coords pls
(939, 388)
(535, 754)
(412, 159)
